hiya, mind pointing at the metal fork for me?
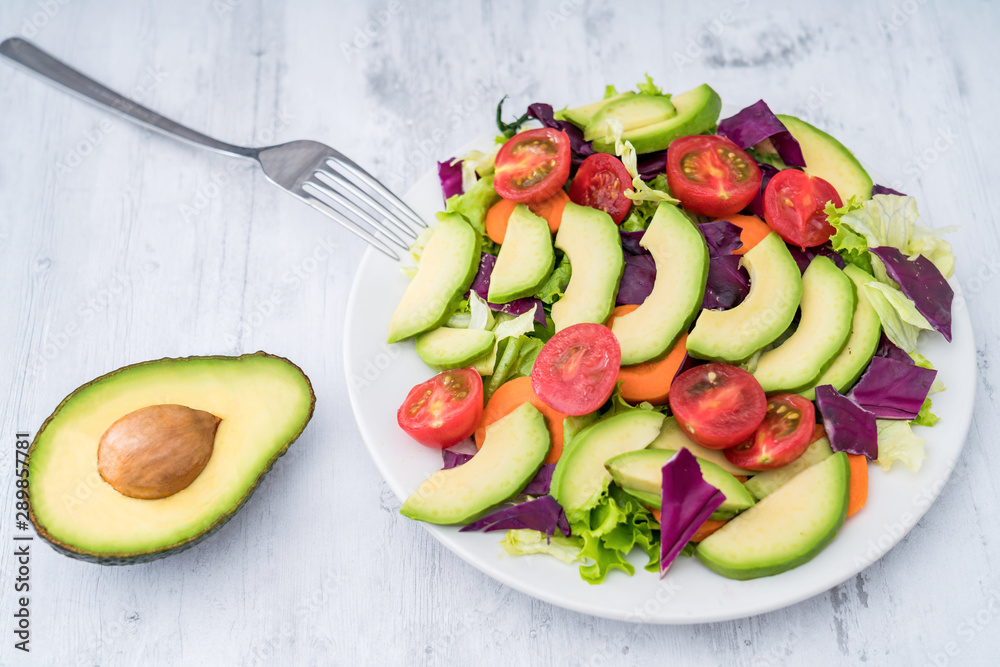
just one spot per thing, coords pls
(321, 176)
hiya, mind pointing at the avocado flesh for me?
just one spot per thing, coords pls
(681, 258)
(697, 111)
(590, 239)
(830, 160)
(447, 269)
(785, 529)
(632, 113)
(866, 331)
(581, 116)
(767, 482)
(775, 290)
(445, 348)
(824, 327)
(264, 403)
(580, 478)
(526, 257)
(642, 471)
(673, 437)
(514, 450)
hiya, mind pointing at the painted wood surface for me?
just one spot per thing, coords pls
(118, 245)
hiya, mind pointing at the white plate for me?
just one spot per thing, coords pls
(380, 375)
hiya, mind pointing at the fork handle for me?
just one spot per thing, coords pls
(28, 55)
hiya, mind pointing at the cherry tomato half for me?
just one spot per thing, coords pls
(793, 207)
(717, 405)
(787, 430)
(445, 410)
(532, 165)
(601, 182)
(575, 371)
(711, 175)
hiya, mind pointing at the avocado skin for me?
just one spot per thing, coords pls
(135, 558)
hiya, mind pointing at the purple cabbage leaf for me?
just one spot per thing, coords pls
(892, 389)
(756, 123)
(687, 502)
(921, 281)
(849, 427)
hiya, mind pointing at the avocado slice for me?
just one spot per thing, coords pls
(526, 257)
(775, 290)
(445, 348)
(263, 404)
(581, 116)
(681, 258)
(697, 111)
(767, 482)
(785, 529)
(514, 450)
(642, 471)
(633, 112)
(824, 327)
(590, 239)
(866, 330)
(580, 478)
(447, 269)
(830, 160)
(672, 436)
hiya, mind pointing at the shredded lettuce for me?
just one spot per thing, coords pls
(642, 212)
(480, 313)
(851, 246)
(524, 542)
(516, 360)
(896, 442)
(610, 91)
(474, 203)
(476, 165)
(507, 326)
(640, 192)
(925, 417)
(900, 319)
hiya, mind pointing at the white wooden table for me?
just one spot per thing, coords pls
(118, 246)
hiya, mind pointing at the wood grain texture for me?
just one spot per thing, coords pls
(117, 245)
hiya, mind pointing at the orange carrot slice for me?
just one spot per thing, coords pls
(510, 396)
(859, 483)
(752, 231)
(499, 214)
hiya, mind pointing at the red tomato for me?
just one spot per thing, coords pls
(445, 410)
(576, 370)
(793, 207)
(532, 165)
(787, 430)
(601, 182)
(711, 176)
(717, 405)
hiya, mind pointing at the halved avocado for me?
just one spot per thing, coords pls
(775, 290)
(824, 327)
(447, 269)
(681, 258)
(590, 239)
(866, 330)
(697, 111)
(830, 160)
(262, 403)
(785, 529)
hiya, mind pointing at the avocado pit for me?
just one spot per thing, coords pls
(156, 451)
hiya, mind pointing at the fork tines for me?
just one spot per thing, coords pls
(362, 204)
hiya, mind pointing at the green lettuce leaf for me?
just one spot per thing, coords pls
(642, 212)
(925, 417)
(900, 319)
(523, 542)
(474, 203)
(610, 531)
(896, 442)
(476, 165)
(851, 246)
(555, 285)
(610, 91)
(891, 220)
(647, 87)
(640, 192)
